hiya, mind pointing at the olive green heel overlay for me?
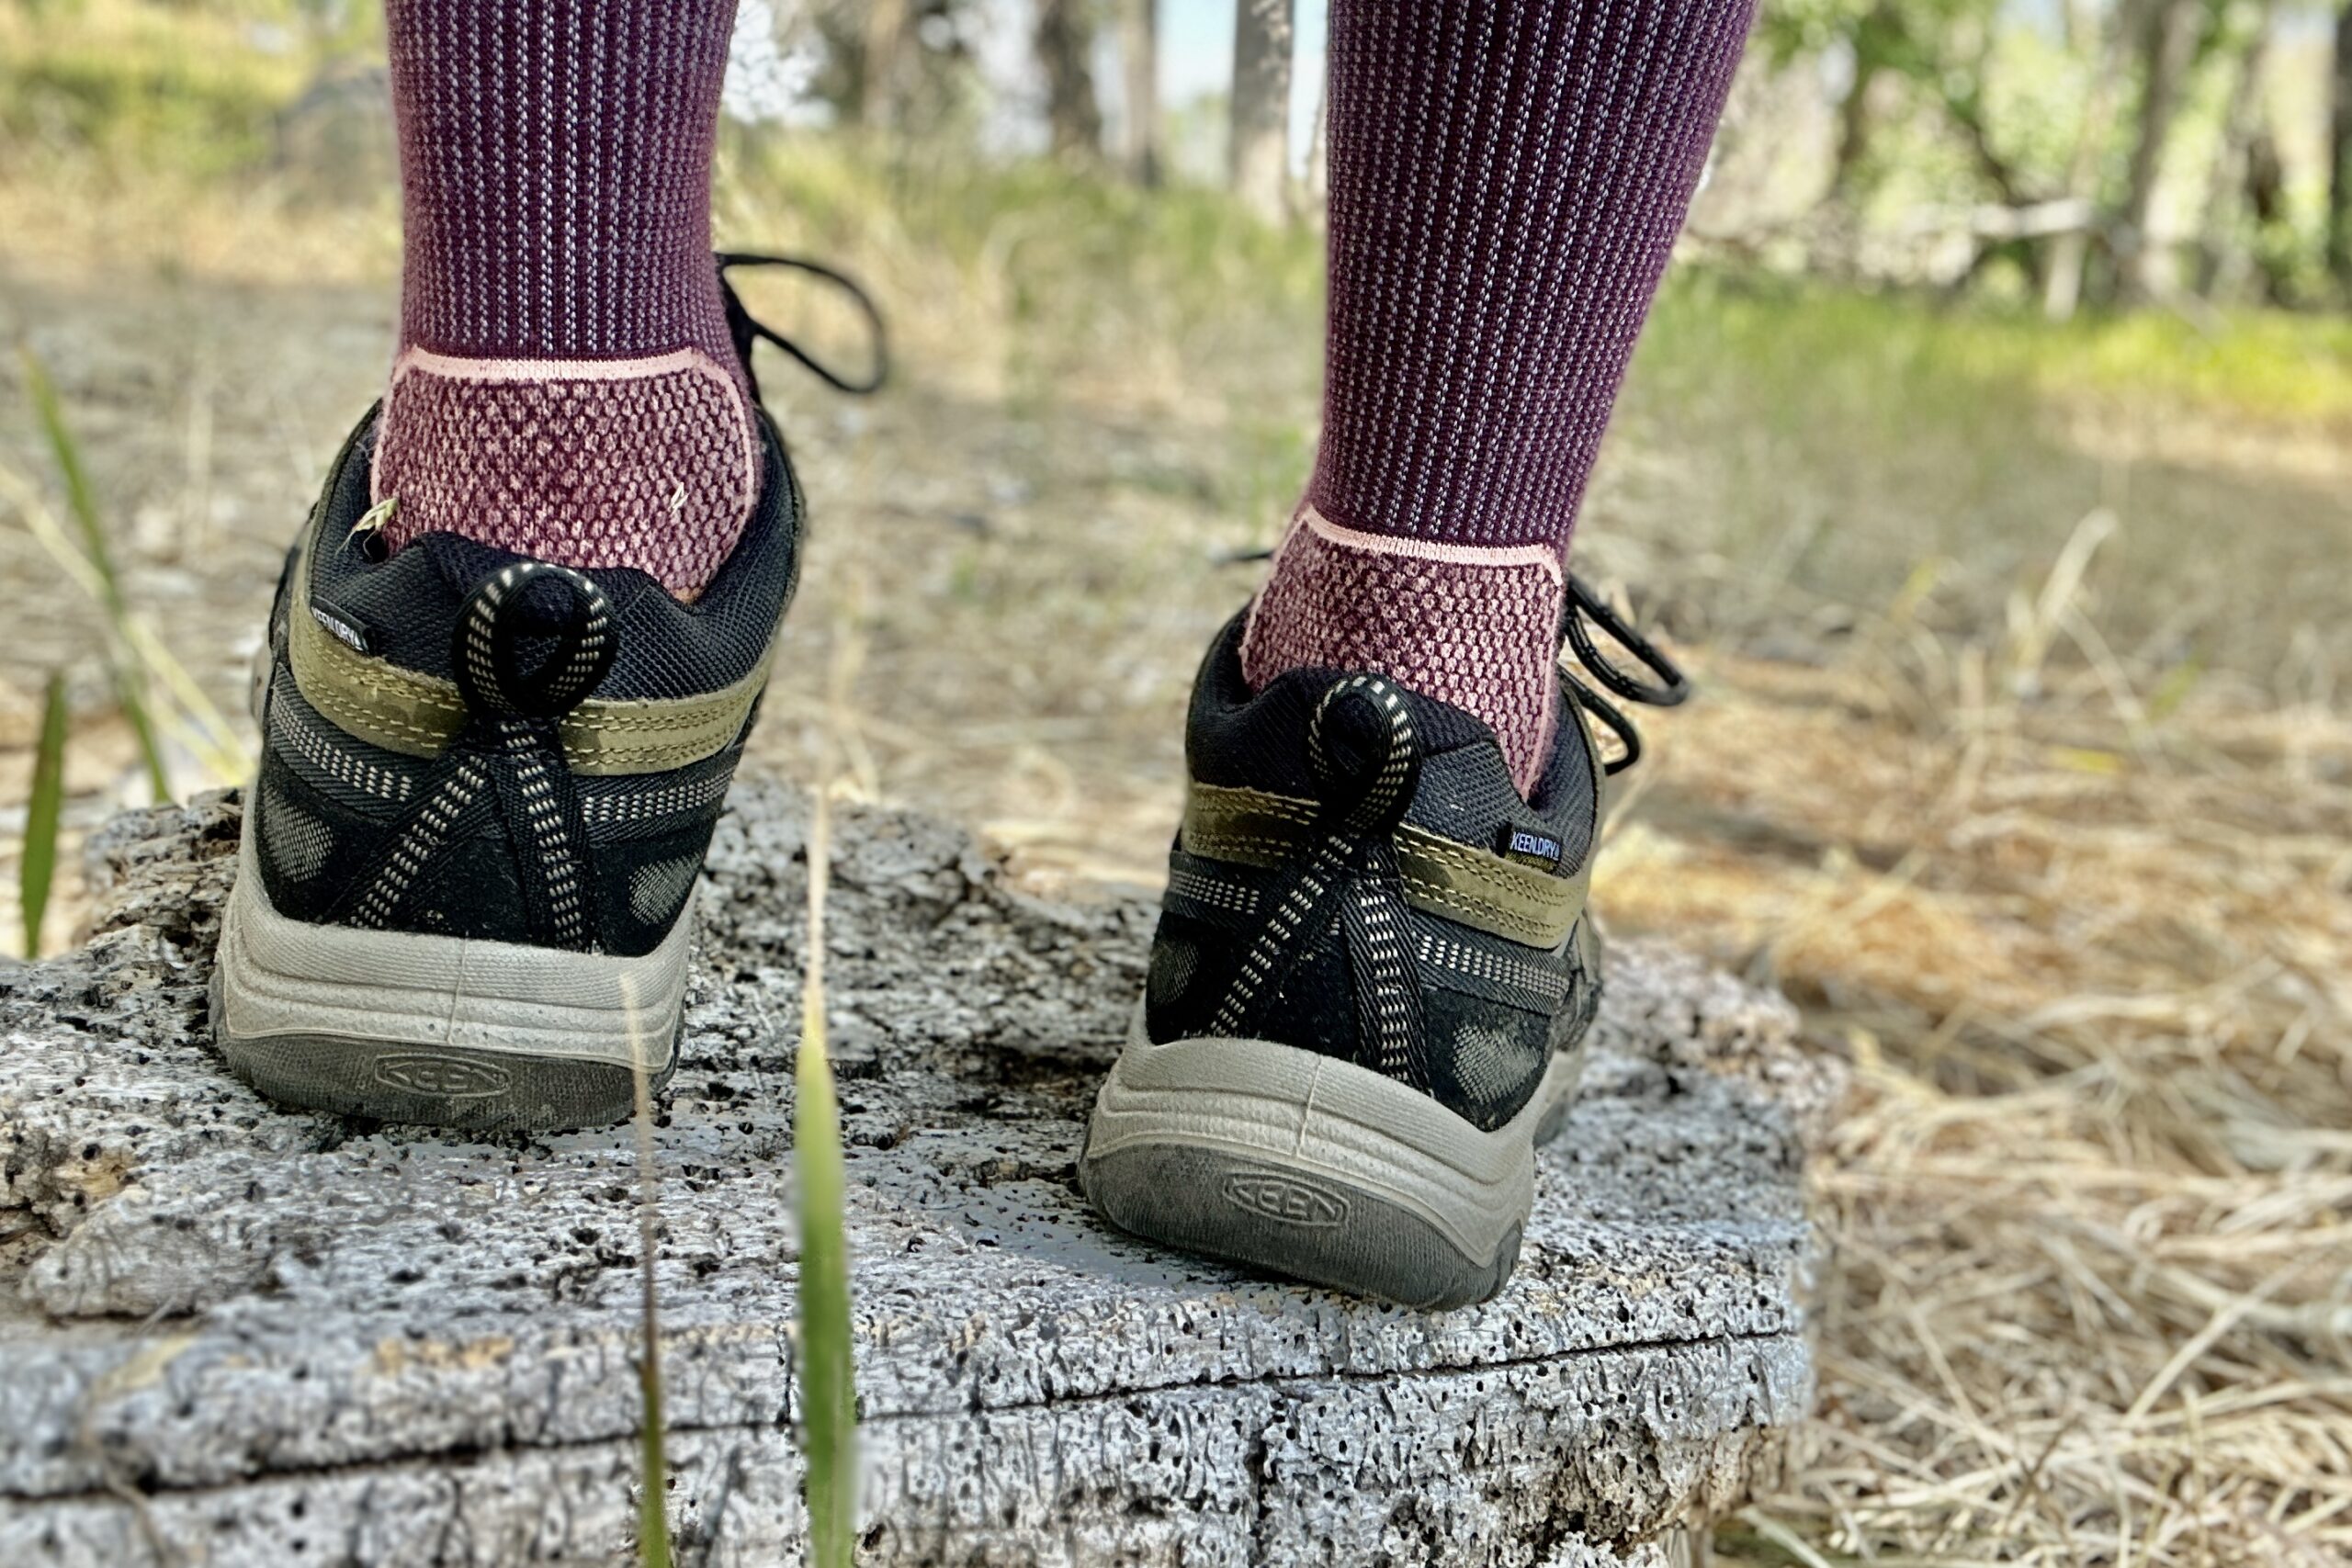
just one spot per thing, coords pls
(1468, 886)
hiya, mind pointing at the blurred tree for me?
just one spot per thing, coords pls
(2339, 150)
(882, 81)
(2231, 191)
(904, 66)
(2169, 35)
(1140, 63)
(1940, 53)
(2099, 35)
(1066, 50)
(1260, 138)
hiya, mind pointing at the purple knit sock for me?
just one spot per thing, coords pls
(565, 385)
(1507, 182)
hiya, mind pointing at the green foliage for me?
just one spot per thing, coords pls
(1043, 243)
(129, 682)
(195, 91)
(37, 868)
(1828, 441)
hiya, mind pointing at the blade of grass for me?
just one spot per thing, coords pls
(827, 1395)
(81, 502)
(197, 723)
(652, 1506)
(38, 867)
(827, 1386)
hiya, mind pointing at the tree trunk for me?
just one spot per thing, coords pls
(1319, 157)
(883, 62)
(2061, 283)
(1140, 55)
(1262, 49)
(2339, 161)
(2217, 246)
(2168, 46)
(1853, 130)
(1064, 48)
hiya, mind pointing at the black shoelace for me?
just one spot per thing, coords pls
(748, 330)
(1671, 687)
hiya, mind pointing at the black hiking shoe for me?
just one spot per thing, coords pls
(1370, 988)
(487, 784)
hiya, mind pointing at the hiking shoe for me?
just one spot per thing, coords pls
(485, 790)
(1369, 991)
(465, 888)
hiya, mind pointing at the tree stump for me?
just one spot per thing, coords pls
(233, 1336)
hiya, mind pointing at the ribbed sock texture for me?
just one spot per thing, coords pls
(1507, 181)
(566, 387)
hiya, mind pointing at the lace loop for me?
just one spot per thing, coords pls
(1585, 604)
(747, 330)
(1672, 688)
(1612, 719)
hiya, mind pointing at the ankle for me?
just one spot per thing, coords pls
(651, 462)
(1474, 625)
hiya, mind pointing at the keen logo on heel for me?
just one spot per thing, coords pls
(1276, 1195)
(446, 1077)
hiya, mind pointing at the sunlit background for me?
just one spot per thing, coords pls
(1987, 457)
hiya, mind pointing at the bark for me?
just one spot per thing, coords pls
(1066, 50)
(226, 1329)
(1140, 57)
(1260, 107)
(2168, 47)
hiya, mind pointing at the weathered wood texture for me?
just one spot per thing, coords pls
(232, 1335)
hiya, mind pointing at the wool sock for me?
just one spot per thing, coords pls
(1507, 179)
(565, 385)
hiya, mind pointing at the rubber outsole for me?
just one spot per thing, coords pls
(472, 1036)
(455, 1087)
(1336, 1233)
(1317, 1171)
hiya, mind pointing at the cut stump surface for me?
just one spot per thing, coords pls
(232, 1335)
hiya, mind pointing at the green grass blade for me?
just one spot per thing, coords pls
(653, 1499)
(38, 868)
(828, 1389)
(82, 502)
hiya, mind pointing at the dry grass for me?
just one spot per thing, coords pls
(2089, 1211)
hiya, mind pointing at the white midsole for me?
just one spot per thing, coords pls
(1320, 1116)
(281, 975)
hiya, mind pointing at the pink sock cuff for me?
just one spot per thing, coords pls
(683, 361)
(1547, 557)
(589, 463)
(1474, 625)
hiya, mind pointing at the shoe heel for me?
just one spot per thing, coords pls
(1301, 1164)
(474, 1036)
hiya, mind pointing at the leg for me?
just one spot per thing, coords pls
(1506, 183)
(565, 387)
(1375, 967)
(491, 757)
